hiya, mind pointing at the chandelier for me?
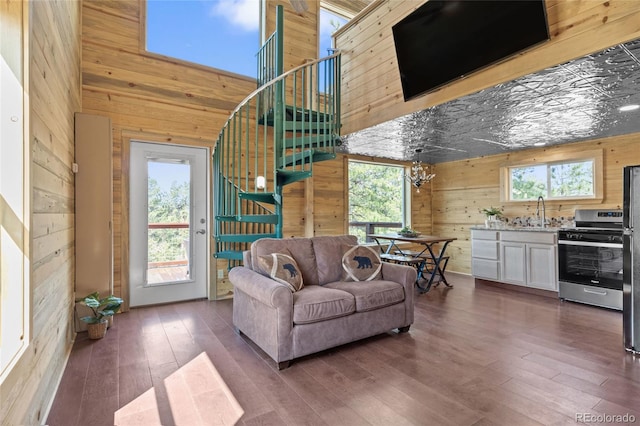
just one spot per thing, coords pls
(419, 174)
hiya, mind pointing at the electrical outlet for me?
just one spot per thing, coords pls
(220, 273)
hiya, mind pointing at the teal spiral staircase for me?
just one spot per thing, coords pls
(272, 139)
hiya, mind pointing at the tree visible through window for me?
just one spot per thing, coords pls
(555, 180)
(376, 198)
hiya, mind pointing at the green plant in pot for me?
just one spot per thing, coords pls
(492, 212)
(102, 309)
(408, 232)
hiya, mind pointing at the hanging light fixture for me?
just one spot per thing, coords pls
(419, 173)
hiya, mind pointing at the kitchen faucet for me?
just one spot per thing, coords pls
(543, 220)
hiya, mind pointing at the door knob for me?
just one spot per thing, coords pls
(202, 231)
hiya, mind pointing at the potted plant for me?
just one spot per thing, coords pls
(102, 310)
(493, 214)
(408, 232)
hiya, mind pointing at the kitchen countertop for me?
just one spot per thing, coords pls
(518, 228)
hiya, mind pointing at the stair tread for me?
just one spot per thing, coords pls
(263, 197)
(242, 238)
(313, 141)
(229, 254)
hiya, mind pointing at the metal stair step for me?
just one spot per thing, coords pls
(229, 254)
(250, 218)
(286, 177)
(306, 157)
(313, 141)
(297, 114)
(262, 197)
(309, 127)
(242, 238)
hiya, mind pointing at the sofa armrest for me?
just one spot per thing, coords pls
(402, 274)
(405, 275)
(261, 288)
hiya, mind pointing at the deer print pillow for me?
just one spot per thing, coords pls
(282, 268)
(361, 263)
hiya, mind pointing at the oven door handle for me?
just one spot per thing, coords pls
(589, 244)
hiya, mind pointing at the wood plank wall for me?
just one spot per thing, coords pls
(462, 188)
(54, 84)
(157, 99)
(149, 98)
(372, 93)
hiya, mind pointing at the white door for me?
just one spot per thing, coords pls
(168, 229)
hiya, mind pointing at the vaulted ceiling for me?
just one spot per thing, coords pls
(570, 102)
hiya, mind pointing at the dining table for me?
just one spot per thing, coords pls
(431, 262)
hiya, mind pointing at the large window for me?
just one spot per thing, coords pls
(222, 34)
(565, 179)
(14, 189)
(377, 201)
(329, 24)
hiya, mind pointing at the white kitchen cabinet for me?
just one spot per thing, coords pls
(541, 266)
(525, 258)
(485, 260)
(513, 262)
(529, 259)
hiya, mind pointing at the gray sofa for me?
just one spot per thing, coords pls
(328, 311)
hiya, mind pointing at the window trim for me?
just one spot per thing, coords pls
(595, 155)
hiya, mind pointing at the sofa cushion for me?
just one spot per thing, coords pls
(328, 251)
(317, 303)
(282, 268)
(300, 249)
(361, 263)
(370, 295)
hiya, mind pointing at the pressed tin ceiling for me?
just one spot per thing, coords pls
(571, 102)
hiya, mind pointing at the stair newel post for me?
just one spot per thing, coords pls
(278, 129)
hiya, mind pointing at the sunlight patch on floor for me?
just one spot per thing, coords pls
(196, 395)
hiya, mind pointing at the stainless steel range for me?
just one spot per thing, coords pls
(590, 259)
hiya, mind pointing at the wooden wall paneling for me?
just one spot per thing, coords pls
(148, 97)
(577, 28)
(102, 25)
(462, 188)
(52, 49)
(301, 31)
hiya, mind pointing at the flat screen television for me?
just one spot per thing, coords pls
(444, 40)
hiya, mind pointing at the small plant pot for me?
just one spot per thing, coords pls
(98, 330)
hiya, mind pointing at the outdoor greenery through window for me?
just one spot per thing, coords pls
(376, 198)
(169, 192)
(575, 179)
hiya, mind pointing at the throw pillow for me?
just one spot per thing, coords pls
(361, 263)
(282, 268)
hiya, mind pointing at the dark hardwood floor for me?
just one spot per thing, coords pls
(474, 356)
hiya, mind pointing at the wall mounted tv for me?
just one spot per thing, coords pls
(444, 40)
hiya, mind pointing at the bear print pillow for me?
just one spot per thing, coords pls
(361, 263)
(282, 268)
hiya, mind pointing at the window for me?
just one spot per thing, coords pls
(377, 200)
(222, 34)
(575, 178)
(14, 191)
(329, 24)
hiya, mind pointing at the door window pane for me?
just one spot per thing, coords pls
(168, 241)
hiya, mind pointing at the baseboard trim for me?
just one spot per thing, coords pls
(479, 282)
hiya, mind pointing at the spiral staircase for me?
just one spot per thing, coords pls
(272, 139)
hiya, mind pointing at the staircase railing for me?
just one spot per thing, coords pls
(276, 132)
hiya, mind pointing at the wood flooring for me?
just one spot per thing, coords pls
(474, 356)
